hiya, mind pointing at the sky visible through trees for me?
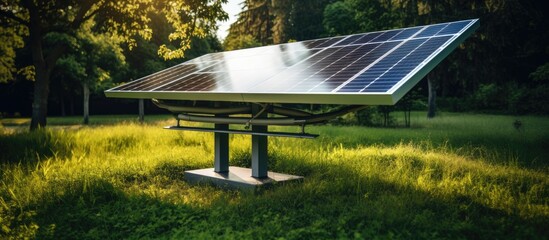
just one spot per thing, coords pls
(232, 7)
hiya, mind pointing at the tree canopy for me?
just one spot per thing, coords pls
(29, 23)
(503, 67)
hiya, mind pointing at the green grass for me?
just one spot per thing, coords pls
(457, 176)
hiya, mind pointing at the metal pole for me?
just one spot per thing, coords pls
(259, 147)
(221, 158)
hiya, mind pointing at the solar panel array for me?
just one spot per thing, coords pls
(360, 66)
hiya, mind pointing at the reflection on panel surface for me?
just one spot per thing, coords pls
(377, 62)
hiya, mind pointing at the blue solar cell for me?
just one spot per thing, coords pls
(381, 67)
(349, 90)
(431, 30)
(374, 51)
(328, 66)
(406, 65)
(329, 42)
(313, 43)
(189, 82)
(384, 64)
(367, 38)
(386, 36)
(349, 40)
(376, 90)
(406, 33)
(152, 81)
(453, 28)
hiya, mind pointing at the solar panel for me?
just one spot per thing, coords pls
(375, 68)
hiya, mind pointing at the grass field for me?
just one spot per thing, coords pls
(457, 176)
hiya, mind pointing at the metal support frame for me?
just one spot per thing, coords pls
(246, 132)
(221, 152)
(234, 177)
(259, 146)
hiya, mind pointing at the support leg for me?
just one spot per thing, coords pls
(221, 152)
(259, 154)
(259, 149)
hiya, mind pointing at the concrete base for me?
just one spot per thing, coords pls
(237, 177)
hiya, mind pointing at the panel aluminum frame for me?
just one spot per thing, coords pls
(389, 97)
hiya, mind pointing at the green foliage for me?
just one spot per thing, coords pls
(356, 16)
(189, 19)
(306, 19)
(124, 20)
(379, 116)
(90, 59)
(339, 19)
(371, 15)
(11, 37)
(488, 97)
(278, 21)
(256, 19)
(541, 74)
(240, 42)
(458, 176)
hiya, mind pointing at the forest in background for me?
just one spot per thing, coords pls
(502, 68)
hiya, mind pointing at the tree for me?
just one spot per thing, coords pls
(240, 42)
(33, 20)
(339, 19)
(90, 61)
(255, 20)
(510, 42)
(306, 18)
(11, 36)
(278, 21)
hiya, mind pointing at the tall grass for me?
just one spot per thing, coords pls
(459, 176)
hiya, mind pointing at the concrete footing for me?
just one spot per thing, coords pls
(237, 178)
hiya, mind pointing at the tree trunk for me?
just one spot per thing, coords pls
(42, 67)
(407, 113)
(62, 102)
(431, 112)
(86, 107)
(42, 78)
(40, 101)
(141, 110)
(71, 106)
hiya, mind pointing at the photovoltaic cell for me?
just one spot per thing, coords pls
(329, 42)
(152, 81)
(405, 65)
(406, 33)
(367, 68)
(367, 38)
(349, 40)
(386, 36)
(453, 28)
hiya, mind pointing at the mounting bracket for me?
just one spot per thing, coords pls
(226, 176)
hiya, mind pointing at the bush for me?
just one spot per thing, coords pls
(488, 97)
(536, 101)
(374, 116)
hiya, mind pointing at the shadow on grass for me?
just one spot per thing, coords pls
(327, 205)
(527, 151)
(114, 216)
(28, 147)
(334, 201)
